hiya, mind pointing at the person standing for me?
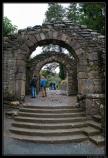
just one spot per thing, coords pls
(43, 83)
(33, 85)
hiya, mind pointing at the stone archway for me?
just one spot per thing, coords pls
(86, 46)
(71, 67)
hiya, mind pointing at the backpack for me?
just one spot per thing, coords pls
(33, 82)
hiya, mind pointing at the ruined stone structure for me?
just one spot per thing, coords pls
(86, 46)
(35, 65)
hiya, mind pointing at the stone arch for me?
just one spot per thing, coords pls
(40, 60)
(86, 46)
(33, 39)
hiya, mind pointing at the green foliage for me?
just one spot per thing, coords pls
(62, 73)
(55, 12)
(8, 27)
(93, 15)
(51, 77)
(45, 73)
(90, 14)
(72, 13)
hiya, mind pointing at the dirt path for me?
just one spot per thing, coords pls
(54, 98)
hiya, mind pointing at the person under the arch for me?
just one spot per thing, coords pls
(43, 83)
(33, 85)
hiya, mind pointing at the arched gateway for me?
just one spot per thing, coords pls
(86, 46)
(35, 65)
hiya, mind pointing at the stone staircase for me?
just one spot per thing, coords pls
(56, 124)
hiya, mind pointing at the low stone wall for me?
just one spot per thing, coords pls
(93, 103)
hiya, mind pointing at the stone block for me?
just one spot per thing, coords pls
(32, 38)
(37, 36)
(29, 43)
(20, 63)
(93, 75)
(20, 88)
(94, 33)
(90, 86)
(83, 26)
(82, 88)
(49, 35)
(82, 75)
(64, 37)
(81, 68)
(21, 76)
(42, 36)
(79, 51)
(55, 34)
(92, 56)
(101, 37)
(15, 103)
(83, 61)
(21, 56)
(93, 103)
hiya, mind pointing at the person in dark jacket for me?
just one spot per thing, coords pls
(33, 84)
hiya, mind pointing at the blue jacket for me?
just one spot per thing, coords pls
(43, 82)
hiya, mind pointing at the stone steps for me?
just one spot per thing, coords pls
(49, 120)
(51, 107)
(54, 132)
(51, 115)
(34, 110)
(90, 131)
(94, 124)
(46, 132)
(97, 118)
(51, 139)
(53, 125)
(49, 125)
(97, 139)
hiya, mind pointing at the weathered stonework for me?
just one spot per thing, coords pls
(40, 60)
(86, 46)
(93, 104)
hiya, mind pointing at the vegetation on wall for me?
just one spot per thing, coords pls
(8, 27)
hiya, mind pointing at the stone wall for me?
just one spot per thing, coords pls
(87, 47)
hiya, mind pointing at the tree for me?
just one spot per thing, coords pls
(62, 73)
(94, 16)
(72, 13)
(55, 12)
(8, 27)
(90, 14)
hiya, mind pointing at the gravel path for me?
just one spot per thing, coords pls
(17, 147)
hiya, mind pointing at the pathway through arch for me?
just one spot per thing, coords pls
(54, 98)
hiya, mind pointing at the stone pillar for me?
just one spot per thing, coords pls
(95, 85)
(72, 88)
(20, 79)
(72, 85)
(8, 74)
(82, 76)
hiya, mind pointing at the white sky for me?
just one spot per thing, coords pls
(24, 15)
